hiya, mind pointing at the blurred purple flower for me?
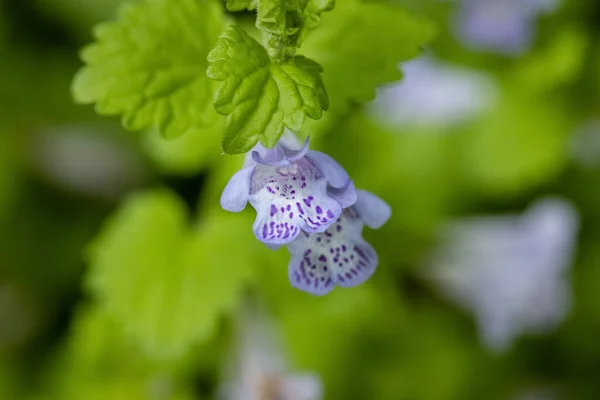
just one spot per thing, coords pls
(338, 255)
(510, 272)
(433, 94)
(258, 369)
(291, 191)
(501, 26)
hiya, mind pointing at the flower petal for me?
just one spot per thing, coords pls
(335, 174)
(339, 254)
(373, 211)
(280, 217)
(291, 196)
(307, 275)
(291, 154)
(346, 195)
(235, 194)
(271, 157)
(276, 222)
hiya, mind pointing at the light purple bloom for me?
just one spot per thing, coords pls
(259, 368)
(291, 190)
(502, 26)
(511, 272)
(434, 94)
(339, 255)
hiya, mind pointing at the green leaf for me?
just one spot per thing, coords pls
(260, 97)
(188, 154)
(240, 5)
(149, 65)
(166, 282)
(359, 44)
(520, 143)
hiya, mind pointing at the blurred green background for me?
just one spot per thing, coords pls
(121, 277)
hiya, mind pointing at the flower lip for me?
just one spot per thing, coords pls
(281, 154)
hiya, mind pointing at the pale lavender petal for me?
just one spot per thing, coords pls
(291, 154)
(280, 218)
(271, 157)
(235, 194)
(335, 174)
(358, 271)
(307, 273)
(289, 199)
(337, 256)
(346, 195)
(373, 211)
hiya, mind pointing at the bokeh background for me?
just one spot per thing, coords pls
(121, 278)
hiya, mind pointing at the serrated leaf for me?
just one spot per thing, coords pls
(149, 65)
(260, 97)
(168, 283)
(240, 5)
(359, 44)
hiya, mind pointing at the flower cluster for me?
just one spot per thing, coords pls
(304, 199)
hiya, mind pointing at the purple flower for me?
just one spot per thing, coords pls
(339, 255)
(291, 190)
(502, 26)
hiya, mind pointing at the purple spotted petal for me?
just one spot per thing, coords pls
(235, 194)
(282, 215)
(310, 275)
(373, 211)
(333, 172)
(291, 198)
(337, 256)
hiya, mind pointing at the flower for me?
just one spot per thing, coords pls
(502, 26)
(291, 190)
(434, 94)
(339, 255)
(510, 272)
(259, 369)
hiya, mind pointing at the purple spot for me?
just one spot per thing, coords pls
(340, 278)
(331, 251)
(270, 189)
(339, 229)
(344, 248)
(273, 210)
(291, 215)
(307, 252)
(319, 210)
(288, 207)
(293, 191)
(264, 232)
(345, 260)
(328, 282)
(355, 272)
(348, 275)
(307, 202)
(310, 197)
(323, 258)
(300, 210)
(330, 214)
(282, 209)
(360, 253)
